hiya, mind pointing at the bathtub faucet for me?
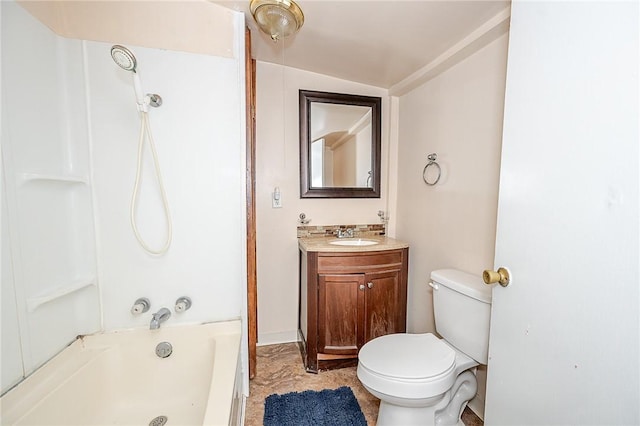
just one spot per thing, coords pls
(158, 318)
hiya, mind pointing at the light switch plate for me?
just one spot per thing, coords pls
(276, 201)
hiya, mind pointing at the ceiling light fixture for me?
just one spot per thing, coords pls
(278, 18)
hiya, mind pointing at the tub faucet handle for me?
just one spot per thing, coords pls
(182, 304)
(140, 306)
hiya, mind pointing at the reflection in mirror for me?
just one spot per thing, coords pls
(339, 145)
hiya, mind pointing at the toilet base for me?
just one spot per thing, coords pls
(393, 415)
(445, 412)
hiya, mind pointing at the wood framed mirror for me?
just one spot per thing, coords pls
(340, 145)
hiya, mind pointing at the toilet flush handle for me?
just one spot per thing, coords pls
(433, 285)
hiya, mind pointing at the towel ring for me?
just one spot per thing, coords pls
(432, 162)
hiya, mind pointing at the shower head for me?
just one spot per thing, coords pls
(124, 58)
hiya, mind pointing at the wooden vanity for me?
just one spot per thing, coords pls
(348, 296)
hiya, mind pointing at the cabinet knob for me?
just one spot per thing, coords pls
(370, 284)
(361, 287)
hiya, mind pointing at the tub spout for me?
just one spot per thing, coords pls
(158, 318)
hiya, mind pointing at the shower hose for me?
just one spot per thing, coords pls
(145, 130)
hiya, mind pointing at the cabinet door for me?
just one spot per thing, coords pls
(384, 310)
(340, 310)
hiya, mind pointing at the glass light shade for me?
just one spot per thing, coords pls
(278, 18)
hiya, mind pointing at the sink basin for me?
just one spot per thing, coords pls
(353, 242)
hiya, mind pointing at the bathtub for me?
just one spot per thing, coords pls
(117, 379)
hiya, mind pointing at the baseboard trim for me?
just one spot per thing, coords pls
(266, 339)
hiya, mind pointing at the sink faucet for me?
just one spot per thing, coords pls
(158, 318)
(347, 233)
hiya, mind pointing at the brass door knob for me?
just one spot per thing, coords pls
(501, 276)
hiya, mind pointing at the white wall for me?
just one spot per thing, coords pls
(199, 140)
(277, 152)
(457, 115)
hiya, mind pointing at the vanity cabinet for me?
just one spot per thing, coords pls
(347, 299)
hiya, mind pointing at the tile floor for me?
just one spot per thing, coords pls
(280, 370)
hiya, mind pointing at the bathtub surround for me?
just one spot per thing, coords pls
(186, 127)
(72, 260)
(49, 258)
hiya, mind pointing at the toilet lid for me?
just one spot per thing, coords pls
(407, 356)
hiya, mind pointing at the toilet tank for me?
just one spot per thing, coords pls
(462, 310)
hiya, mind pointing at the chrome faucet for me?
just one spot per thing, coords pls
(158, 318)
(347, 233)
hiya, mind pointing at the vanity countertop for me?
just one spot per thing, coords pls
(323, 244)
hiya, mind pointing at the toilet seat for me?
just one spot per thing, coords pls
(407, 356)
(407, 365)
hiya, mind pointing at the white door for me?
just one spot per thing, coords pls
(565, 334)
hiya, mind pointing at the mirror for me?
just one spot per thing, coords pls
(340, 145)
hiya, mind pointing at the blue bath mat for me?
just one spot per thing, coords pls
(337, 407)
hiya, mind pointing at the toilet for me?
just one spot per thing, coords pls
(422, 379)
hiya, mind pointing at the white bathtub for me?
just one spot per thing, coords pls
(117, 379)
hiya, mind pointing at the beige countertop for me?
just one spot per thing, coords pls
(323, 244)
